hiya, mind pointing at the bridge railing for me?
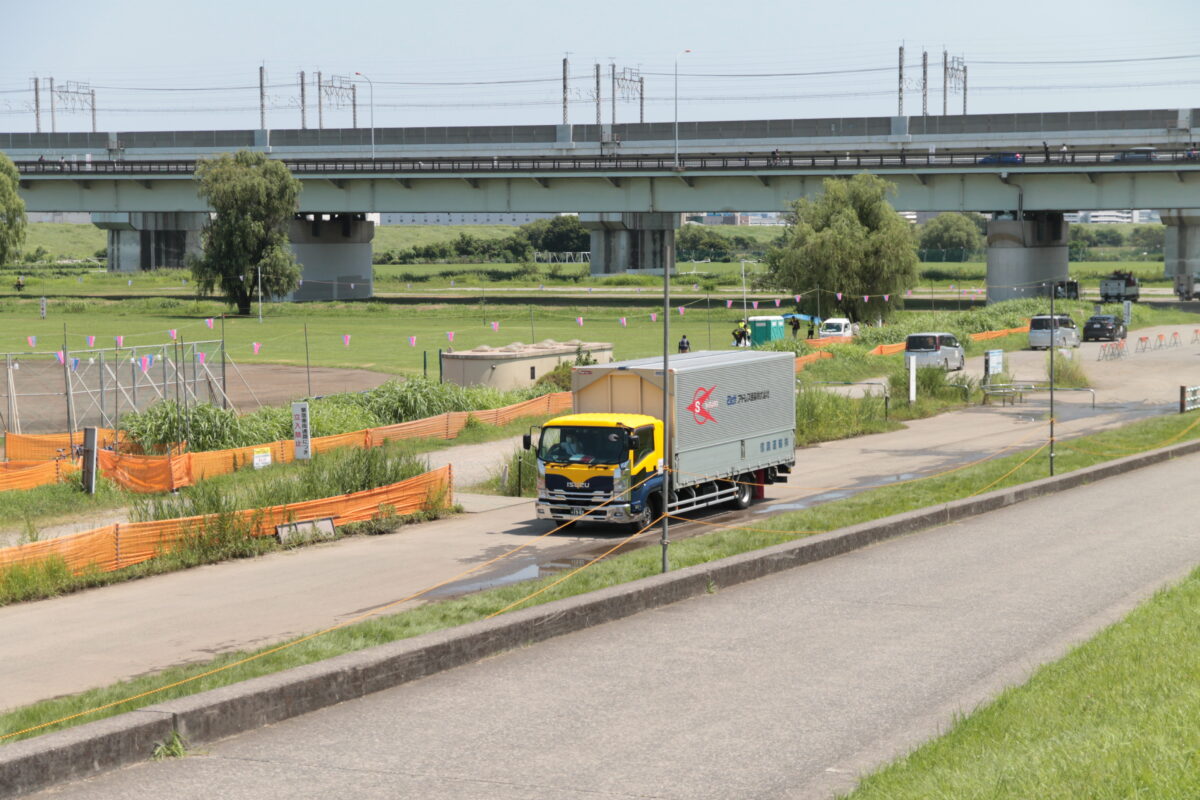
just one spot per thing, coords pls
(607, 163)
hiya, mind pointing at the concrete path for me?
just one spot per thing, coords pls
(787, 687)
(129, 629)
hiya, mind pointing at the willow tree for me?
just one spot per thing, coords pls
(253, 199)
(848, 241)
(12, 212)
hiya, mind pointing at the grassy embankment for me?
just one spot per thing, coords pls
(868, 505)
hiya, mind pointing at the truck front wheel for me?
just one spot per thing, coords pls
(745, 492)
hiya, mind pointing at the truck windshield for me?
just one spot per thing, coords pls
(582, 445)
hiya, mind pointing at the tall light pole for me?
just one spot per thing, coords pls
(744, 286)
(371, 84)
(677, 55)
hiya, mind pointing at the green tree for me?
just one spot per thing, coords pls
(561, 234)
(254, 199)
(1148, 238)
(1108, 236)
(12, 212)
(952, 236)
(849, 240)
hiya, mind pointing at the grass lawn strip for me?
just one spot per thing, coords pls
(1113, 719)
(866, 506)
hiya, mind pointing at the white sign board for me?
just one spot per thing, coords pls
(301, 432)
(1128, 312)
(262, 457)
(994, 363)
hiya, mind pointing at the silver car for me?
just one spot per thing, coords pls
(937, 349)
(1046, 331)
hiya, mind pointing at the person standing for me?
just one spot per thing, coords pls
(795, 327)
(684, 345)
(1046, 151)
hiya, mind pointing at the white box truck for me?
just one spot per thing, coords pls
(733, 430)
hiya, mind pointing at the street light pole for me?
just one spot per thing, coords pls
(371, 85)
(677, 106)
(259, 268)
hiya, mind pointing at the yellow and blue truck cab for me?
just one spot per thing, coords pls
(733, 424)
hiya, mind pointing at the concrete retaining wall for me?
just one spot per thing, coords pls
(33, 764)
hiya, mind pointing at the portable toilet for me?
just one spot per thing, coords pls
(765, 329)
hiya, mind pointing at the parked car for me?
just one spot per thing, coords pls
(938, 349)
(837, 326)
(1119, 287)
(1002, 158)
(1103, 326)
(1046, 331)
(1137, 154)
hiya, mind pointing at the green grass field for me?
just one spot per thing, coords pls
(65, 240)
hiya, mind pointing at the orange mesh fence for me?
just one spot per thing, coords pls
(48, 446)
(33, 474)
(828, 340)
(984, 335)
(115, 546)
(888, 349)
(804, 361)
(147, 474)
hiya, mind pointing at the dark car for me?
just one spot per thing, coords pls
(1103, 326)
(1137, 154)
(1002, 158)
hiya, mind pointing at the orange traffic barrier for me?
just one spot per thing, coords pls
(124, 544)
(804, 361)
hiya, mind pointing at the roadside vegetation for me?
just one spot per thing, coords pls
(868, 505)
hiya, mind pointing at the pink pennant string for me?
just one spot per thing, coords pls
(345, 340)
(32, 340)
(839, 295)
(681, 311)
(91, 340)
(59, 355)
(495, 327)
(885, 297)
(412, 341)
(450, 335)
(754, 303)
(120, 341)
(209, 323)
(145, 364)
(257, 347)
(866, 298)
(579, 321)
(201, 357)
(171, 333)
(624, 324)
(654, 316)
(777, 301)
(729, 304)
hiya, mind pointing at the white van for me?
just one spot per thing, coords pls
(837, 326)
(1046, 331)
(939, 349)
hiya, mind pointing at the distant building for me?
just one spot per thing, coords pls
(1113, 216)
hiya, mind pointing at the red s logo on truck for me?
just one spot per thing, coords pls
(700, 405)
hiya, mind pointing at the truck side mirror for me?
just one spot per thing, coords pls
(526, 441)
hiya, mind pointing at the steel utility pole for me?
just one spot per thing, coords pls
(564, 90)
(262, 98)
(641, 99)
(924, 83)
(612, 71)
(53, 120)
(900, 86)
(320, 104)
(598, 120)
(37, 105)
(964, 90)
(93, 100)
(303, 114)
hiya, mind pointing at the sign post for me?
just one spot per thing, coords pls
(301, 431)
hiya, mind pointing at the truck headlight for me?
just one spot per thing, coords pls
(620, 482)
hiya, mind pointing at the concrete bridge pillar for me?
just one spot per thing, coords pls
(150, 239)
(1024, 254)
(1181, 242)
(334, 251)
(625, 241)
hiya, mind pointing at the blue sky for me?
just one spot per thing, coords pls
(162, 65)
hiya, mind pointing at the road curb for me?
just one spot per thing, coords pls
(33, 764)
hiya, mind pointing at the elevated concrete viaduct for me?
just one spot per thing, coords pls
(626, 182)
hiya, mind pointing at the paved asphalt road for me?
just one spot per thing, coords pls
(785, 687)
(129, 629)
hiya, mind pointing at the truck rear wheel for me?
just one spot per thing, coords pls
(744, 492)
